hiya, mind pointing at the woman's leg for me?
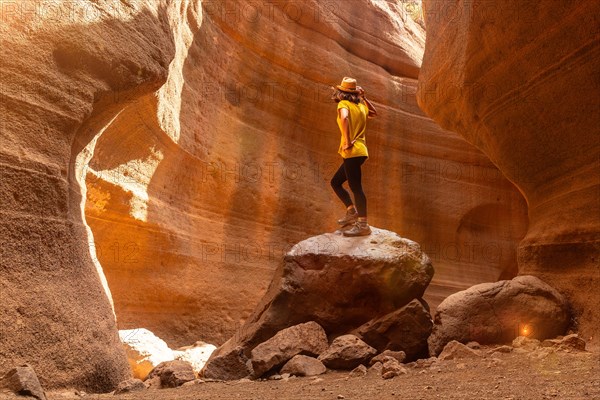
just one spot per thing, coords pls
(354, 176)
(336, 183)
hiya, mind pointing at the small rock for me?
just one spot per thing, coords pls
(358, 372)
(130, 385)
(461, 366)
(457, 350)
(424, 362)
(173, 373)
(474, 345)
(340, 396)
(391, 368)
(569, 342)
(525, 343)
(501, 349)
(285, 376)
(23, 381)
(301, 365)
(307, 338)
(275, 377)
(398, 355)
(193, 383)
(497, 361)
(230, 364)
(347, 352)
(153, 383)
(375, 369)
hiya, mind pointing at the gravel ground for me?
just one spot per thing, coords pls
(516, 375)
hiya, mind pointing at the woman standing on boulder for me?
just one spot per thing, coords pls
(352, 112)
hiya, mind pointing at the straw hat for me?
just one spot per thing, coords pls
(348, 85)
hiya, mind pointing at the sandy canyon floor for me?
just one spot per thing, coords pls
(523, 376)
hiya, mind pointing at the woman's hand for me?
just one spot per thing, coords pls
(361, 91)
(349, 146)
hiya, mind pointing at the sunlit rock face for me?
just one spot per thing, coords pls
(519, 80)
(68, 69)
(190, 225)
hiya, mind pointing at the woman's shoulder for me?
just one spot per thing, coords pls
(346, 104)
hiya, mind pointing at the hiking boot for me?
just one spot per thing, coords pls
(360, 228)
(350, 218)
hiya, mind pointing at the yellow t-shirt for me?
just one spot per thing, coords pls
(358, 126)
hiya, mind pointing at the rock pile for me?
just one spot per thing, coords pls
(363, 292)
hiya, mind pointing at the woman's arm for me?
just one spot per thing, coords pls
(345, 122)
(370, 106)
(372, 110)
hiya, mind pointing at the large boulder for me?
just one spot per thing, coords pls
(519, 80)
(406, 329)
(338, 282)
(308, 338)
(499, 312)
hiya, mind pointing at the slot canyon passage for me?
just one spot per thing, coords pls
(160, 159)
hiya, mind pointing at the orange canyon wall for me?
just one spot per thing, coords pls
(520, 81)
(67, 69)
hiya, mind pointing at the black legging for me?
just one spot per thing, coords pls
(350, 171)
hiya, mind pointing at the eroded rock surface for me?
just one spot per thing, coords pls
(68, 70)
(520, 81)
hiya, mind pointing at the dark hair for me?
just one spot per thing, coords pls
(340, 95)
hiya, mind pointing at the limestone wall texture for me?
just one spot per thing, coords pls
(519, 80)
(178, 149)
